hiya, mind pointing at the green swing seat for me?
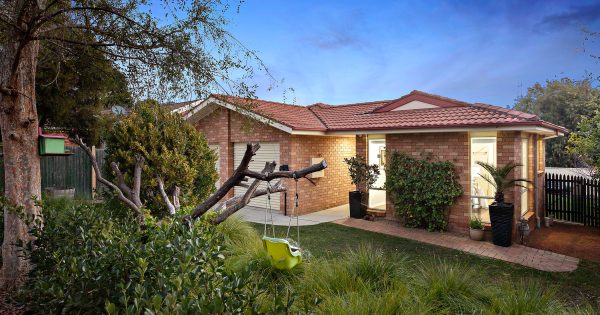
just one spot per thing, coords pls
(282, 254)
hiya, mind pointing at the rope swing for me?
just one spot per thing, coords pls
(282, 254)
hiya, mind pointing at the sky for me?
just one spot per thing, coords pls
(339, 52)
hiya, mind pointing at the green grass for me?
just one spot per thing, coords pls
(329, 241)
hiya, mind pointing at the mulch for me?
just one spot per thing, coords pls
(568, 239)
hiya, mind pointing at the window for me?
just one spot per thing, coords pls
(483, 149)
(525, 175)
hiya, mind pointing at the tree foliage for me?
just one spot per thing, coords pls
(165, 48)
(422, 189)
(585, 142)
(173, 150)
(72, 91)
(563, 102)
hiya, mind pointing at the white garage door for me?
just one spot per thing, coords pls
(215, 148)
(268, 152)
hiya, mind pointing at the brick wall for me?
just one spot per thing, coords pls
(225, 127)
(452, 147)
(330, 190)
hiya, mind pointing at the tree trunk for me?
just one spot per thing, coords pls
(22, 181)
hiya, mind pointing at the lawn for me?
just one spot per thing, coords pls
(328, 240)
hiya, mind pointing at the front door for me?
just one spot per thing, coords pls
(376, 152)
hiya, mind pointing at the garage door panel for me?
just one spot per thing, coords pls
(268, 152)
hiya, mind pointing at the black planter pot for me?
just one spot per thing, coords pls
(356, 209)
(502, 216)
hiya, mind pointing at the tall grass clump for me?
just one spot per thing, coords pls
(450, 288)
(527, 298)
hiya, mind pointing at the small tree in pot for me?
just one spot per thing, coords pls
(502, 213)
(362, 175)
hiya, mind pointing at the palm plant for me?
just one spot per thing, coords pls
(498, 178)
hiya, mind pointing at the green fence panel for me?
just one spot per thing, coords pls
(68, 171)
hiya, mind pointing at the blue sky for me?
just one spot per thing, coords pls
(479, 51)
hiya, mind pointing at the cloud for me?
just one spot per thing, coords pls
(335, 40)
(339, 31)
(576, 16)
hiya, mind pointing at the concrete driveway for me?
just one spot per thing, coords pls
(257, 215)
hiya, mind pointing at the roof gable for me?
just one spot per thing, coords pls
(419, 100)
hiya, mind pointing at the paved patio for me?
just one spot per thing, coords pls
(257, 215)
(518, 254)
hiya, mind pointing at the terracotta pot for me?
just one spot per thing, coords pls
(476, 234)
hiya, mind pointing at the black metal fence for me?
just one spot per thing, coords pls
(573, 198)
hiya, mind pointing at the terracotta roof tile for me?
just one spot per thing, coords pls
(294, 116)
(379, 115)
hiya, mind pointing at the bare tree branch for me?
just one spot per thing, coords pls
(239, 204)
(113, 187)
(176, 193)
(121, 180)
(242, 172)
(163, 194)
(137, 179)
(229, 183)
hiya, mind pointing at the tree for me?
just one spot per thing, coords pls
(129, 195)
(563, 102)
(585, 142)
(183, 49)
(72, 90)
(174, 152)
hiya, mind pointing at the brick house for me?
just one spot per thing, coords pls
(460, 132)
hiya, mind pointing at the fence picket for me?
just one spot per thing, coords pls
(573, 198)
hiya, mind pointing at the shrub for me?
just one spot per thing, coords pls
(422, 189)
(361, 173)
(91, 259)
(172, 149)
(476, 223)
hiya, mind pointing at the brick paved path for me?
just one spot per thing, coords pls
(518, 254)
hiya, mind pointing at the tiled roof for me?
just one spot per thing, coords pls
(294, 116)
(380, 115)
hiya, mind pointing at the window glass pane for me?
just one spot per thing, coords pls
(483, 149)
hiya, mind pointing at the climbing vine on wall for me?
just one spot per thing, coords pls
(422, 189)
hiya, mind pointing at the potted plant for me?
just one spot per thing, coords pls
(476, 229)
(549, 220)
(363, 176)
(502, 214)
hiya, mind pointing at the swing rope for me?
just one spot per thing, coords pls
(295, 211)
(269, 211)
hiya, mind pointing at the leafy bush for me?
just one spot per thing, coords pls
(362, 173)
(91, 259)
(173, 150)
(422, 190)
